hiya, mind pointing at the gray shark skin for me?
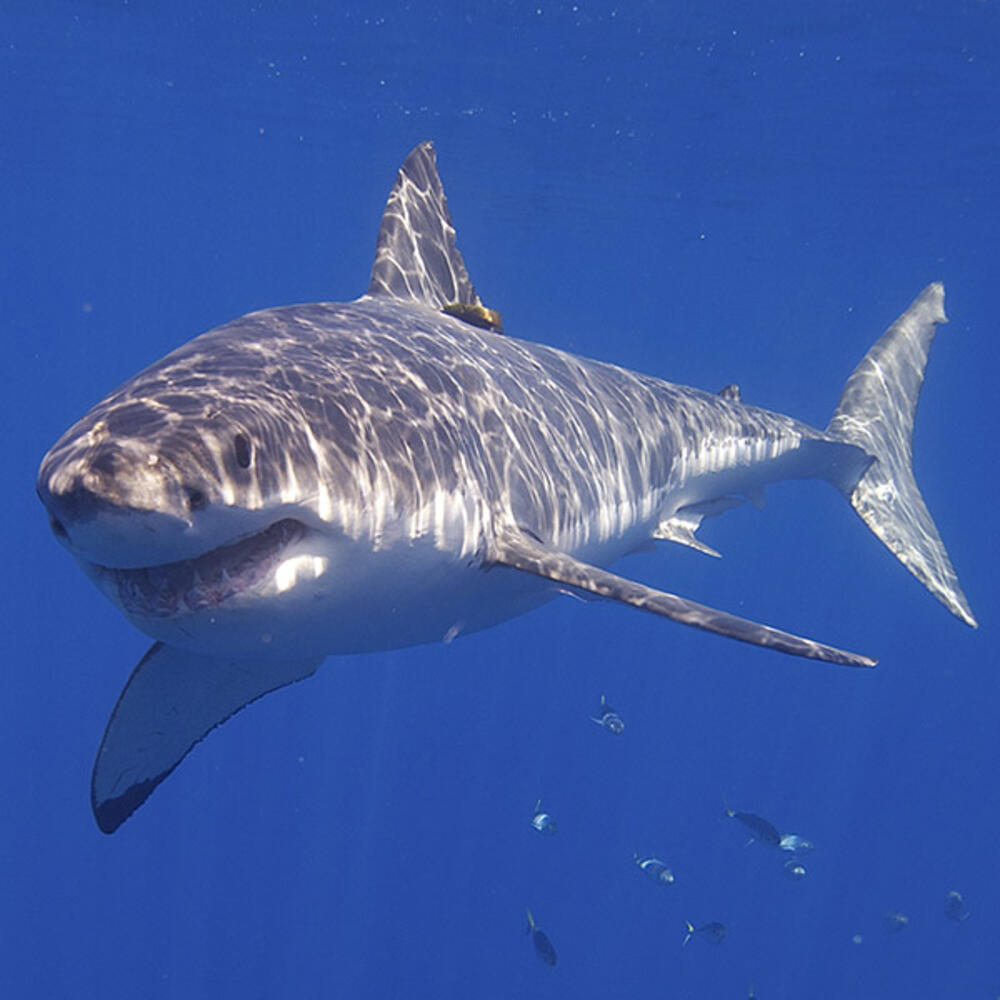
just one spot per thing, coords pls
(346, 477)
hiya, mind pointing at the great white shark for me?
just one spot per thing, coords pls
(344, 477)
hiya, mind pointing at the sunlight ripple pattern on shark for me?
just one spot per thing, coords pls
(347, 477)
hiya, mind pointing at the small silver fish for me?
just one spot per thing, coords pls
(713, 932)
(954, 907)
(893, 923)
(763, 831)
(794, 869)
(794, 844)
(654, 869)
(609, 718)
(543, 946)
(543, 822)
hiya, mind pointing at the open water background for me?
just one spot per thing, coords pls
(704, 192)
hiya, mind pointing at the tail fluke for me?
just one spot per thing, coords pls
(876, 413)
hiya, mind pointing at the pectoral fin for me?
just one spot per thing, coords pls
(172, 700)
(518, 549)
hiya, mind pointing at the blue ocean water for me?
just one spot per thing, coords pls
(708, 194)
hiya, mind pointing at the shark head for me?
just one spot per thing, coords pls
(272, 481)
(193, 490)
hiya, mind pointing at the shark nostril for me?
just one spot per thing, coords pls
(57, 528)
(107, 463)
(196, 499)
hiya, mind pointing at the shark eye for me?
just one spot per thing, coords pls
(241, 445)
(196, 499)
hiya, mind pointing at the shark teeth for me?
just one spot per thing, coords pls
(208, 581)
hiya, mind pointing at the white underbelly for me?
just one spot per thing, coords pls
(332, 594)
(338, 596)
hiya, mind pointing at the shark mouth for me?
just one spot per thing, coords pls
(204, 582)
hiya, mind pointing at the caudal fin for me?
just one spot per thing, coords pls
(876, 413)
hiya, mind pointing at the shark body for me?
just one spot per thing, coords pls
(346, 477)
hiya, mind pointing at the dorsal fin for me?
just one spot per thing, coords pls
(416, 258)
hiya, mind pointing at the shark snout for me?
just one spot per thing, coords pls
(79, 487)
(72, 507)
(115, 504)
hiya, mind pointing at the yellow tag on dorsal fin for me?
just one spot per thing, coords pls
(477, 315)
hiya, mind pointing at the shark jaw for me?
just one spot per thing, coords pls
(260, 594)
(296, 587)
(206, 582)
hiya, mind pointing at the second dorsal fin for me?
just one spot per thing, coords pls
(417, 258)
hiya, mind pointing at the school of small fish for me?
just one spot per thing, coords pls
(761, 832)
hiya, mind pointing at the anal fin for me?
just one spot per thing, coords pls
(172, 700)
(517, 549)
